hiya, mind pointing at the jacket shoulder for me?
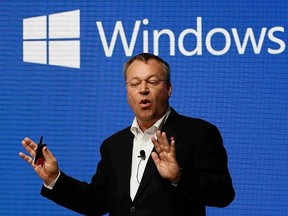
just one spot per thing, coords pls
(179, 120)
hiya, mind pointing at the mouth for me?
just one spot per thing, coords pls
(145, 103)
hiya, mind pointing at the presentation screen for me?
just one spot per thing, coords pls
(61, 65)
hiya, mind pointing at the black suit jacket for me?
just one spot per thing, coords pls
(204, 181)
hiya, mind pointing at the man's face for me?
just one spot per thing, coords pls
(147, 91)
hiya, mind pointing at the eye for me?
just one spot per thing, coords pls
(134, 84)
(153, 82)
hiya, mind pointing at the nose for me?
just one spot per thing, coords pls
(143, 87)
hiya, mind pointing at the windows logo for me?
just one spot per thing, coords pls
(53, 39)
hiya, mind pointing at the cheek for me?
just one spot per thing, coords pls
(131, 98)
(161, 95)
(160, 99)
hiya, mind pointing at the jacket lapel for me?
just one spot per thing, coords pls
(151, 169)
(125, 151)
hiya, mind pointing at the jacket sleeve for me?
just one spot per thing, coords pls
(205, 178)
(81, 197)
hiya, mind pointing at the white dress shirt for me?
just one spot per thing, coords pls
(142, 141)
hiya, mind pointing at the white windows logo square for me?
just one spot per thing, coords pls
(53, 39)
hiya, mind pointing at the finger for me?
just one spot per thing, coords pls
(26, 158)
(29, 145)
(165, 141)
(156, 144)
(173, 148)
(161, 144)
(164, 144)
(159, 137)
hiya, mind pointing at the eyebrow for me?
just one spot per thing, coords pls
(147, 78)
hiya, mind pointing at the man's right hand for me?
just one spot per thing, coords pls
(48, 171)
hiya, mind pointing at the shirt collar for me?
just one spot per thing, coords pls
(158, 125)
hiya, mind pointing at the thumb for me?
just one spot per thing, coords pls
(155, 158)
(47, 154)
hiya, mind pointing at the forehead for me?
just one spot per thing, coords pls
(140, 69)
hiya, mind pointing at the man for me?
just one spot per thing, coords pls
(184, 171)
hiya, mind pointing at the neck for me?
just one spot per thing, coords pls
(146, 124)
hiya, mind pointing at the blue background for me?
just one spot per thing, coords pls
(75, 109)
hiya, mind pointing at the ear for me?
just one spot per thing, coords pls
(169, 90)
